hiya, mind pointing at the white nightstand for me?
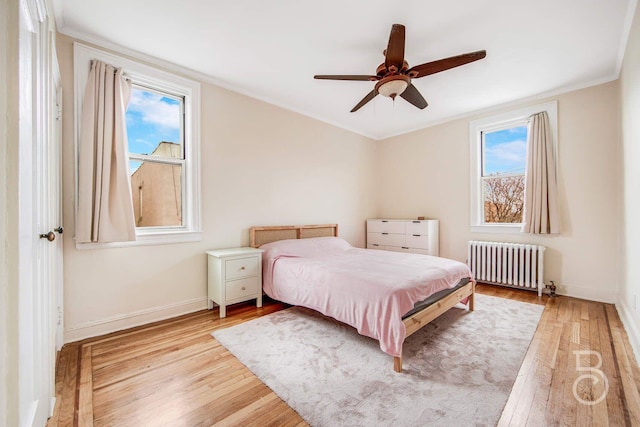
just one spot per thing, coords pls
(234, 275)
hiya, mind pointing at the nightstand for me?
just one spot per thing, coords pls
(234, 275)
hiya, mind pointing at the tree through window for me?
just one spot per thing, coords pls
(504, 157)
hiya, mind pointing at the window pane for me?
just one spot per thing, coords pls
(503, 199)
(156, 190)
(504, 151)
(154, 124)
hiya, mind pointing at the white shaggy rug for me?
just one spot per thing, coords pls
(458, 370)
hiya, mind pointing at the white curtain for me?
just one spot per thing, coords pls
(541, 215)
(105, 209)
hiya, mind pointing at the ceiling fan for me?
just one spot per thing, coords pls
(394, 76)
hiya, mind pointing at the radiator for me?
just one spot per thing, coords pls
(510, 264)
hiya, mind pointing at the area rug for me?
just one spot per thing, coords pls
(458, 370)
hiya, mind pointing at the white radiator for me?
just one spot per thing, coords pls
(510, 264)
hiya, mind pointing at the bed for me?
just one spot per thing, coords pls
(384, 295)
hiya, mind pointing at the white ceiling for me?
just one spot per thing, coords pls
(271, 50)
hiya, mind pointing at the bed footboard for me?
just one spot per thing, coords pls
(422, 318)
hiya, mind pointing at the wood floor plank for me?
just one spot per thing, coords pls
(625, 361)
(85, 393)
(522, 393)
(66, 385)
(174, 373)
(543, 373)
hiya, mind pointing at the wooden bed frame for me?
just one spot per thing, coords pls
(262, 235)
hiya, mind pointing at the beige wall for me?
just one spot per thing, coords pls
(628, 305)
(427, 173)
(261, 165)
(9, 19)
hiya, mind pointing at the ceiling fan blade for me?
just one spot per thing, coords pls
(366, 99)
(394, 55)
(445, 64)
(412, 95)
(347, 77)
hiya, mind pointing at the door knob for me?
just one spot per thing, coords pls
(50, 236)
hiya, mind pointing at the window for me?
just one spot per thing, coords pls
(504, 158)
(498, 163)
(162, 126)
(156, 157)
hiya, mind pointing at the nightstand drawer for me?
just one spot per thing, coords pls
(242, 267)
(241, 288)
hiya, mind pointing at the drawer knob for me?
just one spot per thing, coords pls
(243, 288)
(242, 268)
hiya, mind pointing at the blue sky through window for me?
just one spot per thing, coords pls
(151, 118)
(505, 151)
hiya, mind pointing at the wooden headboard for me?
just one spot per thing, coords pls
(261, 235)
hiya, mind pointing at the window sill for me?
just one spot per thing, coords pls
(497, 229)
(148, 239)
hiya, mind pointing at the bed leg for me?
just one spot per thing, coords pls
(397, 364)
(471, 301)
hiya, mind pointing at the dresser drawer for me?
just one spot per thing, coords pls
(417, 241)
(241, 288)
(242, 267)
(385, 226)
(386, 239)
(418, 227)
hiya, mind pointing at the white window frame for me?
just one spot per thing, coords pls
(151, 77)
(496, 122)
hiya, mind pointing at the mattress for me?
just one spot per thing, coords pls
(420, 305)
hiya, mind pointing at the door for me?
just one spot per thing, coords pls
(39, 201)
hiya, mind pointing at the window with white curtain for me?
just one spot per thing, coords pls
(163, 148)
(498, 147)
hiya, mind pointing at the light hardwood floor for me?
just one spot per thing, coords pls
(174, 373)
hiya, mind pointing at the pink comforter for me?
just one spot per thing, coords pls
(368, 289)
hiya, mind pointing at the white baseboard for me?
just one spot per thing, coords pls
(590, 294)
(630, 326)
(129, 320)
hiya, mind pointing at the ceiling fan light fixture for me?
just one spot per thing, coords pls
(392, 86)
